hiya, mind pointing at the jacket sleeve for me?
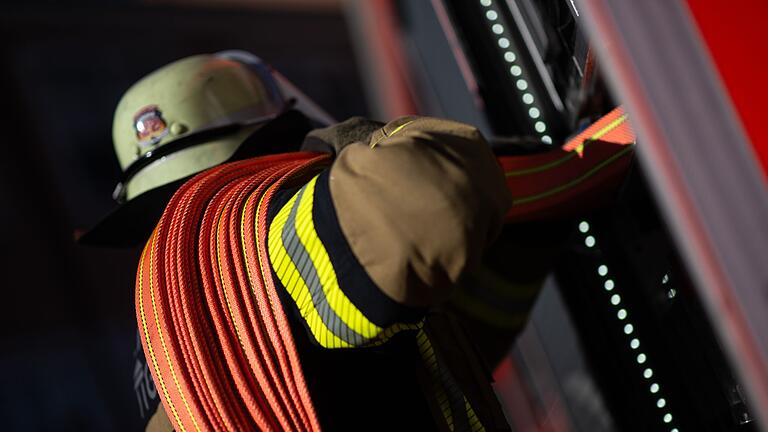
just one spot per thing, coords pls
(365, 247)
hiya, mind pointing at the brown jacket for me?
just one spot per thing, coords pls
(418, 200)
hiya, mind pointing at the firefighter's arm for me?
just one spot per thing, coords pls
(418, 204)
(366, 246)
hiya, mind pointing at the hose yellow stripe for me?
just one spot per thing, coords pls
(576, 181)
(599, 134)
(147, 339)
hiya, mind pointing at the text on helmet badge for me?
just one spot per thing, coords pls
(150, 126)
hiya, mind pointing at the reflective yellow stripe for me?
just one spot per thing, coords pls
(288, 274)
(442, 384)
(429, 358)
(303, 266)
(474, 421)
(340, 304)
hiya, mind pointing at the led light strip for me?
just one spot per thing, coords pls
(515, 70)
(629, 329)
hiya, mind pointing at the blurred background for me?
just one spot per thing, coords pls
(687, 353)
(67, 328)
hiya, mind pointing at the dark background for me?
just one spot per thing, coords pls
(67, 324)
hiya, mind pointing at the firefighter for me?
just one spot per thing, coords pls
(301, 275)
(395, 212)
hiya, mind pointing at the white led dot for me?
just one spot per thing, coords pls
(504, 42)
(534, 112)
(516, 70)
(583, 226)
(628, 329)
(615, 299)
(641, 358)
(622, 314)
(528, 98)
(485, 3)
(491, 15)
(540, 126)
(589, 241)
(647, 373)
(667, 418)
(522, 84)
(497, 28)
(547, 139)
(661, 403)
(602, 270)
(654, 388)
(634, 343)
(510, 56)
(674, 430)
(608, 285)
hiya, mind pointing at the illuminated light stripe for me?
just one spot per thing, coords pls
(504, 42)
(615, 299)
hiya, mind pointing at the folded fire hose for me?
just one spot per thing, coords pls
(218, 343)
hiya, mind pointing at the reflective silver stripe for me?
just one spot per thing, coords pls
(306, 268)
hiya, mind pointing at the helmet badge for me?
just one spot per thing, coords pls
(150, 126)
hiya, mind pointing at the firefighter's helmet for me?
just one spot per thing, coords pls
(190, 115)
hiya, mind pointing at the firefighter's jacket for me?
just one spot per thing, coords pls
(365, 255)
